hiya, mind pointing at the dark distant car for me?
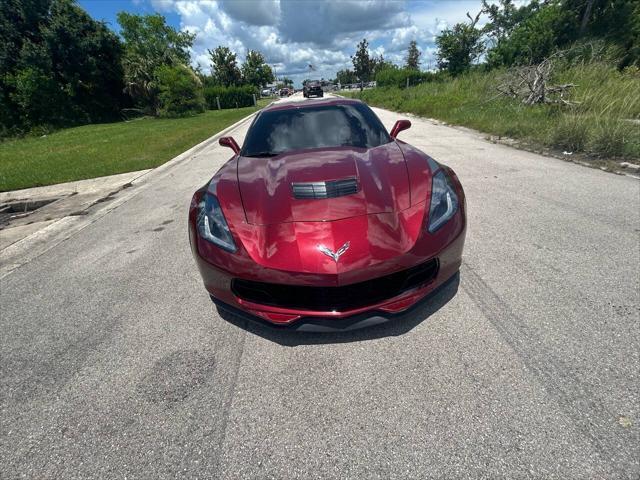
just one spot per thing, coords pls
(325, 221)
(285, 92)
(312, 88)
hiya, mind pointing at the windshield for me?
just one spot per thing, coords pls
(279, 131)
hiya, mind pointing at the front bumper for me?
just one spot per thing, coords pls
(344, 324)
(219, 284)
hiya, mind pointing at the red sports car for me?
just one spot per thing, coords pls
(323, 220)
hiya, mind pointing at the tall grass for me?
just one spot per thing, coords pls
(599, 123)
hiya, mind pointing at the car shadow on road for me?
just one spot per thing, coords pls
(399, 325)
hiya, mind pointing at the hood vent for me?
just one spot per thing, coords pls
(328, 189)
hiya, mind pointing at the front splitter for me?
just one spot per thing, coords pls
(327, 324)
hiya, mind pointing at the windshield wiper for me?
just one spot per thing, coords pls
(262, 154)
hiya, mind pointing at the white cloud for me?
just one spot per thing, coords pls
(292, 34)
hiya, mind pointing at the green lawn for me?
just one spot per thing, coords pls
(106, 149)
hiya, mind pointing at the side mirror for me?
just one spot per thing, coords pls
(398, 127)
(229, 142)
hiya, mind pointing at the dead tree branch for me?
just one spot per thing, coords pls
(530, 84)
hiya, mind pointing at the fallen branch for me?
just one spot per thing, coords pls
(530, 84)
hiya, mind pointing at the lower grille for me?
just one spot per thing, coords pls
(341, 298)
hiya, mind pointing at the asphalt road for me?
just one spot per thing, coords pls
(115, 364)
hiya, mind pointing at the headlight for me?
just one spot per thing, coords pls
(444, 201)
(211, 223)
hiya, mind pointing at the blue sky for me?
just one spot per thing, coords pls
(295, 33)
(106, 10)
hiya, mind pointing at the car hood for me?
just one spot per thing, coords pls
(265, 184)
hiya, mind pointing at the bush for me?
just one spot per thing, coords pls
(180, 91)
(394, 77)
(58, 67)
(230, 97)
(38, 98)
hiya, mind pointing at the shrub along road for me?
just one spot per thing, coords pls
(115, 363)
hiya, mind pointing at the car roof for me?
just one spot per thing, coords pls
(291, 105)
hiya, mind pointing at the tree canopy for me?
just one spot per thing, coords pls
(459, 47)
(224, 66)
(363, 64)
(149, 44)
(57, 66)
(255, 70)
(526, 34)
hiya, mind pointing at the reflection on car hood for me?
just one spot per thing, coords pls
(267, 194)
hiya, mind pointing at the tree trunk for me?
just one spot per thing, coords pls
(585, 16)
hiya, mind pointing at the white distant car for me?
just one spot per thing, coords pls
(266, 92)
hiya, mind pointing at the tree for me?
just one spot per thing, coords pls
(58, 66)
(532, 32)
(255, 70)
(504, 17)
(180, 91)
(412, 61)
(615, 21)
(87, 60)
(224, 66)
(459, 46)
(362, 63)
(150, 44)
(19, 23)
(151, 37)
(536, 37)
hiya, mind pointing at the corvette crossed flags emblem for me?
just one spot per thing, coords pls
(335, 255)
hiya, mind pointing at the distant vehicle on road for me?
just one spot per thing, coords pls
(326, 228)
(266, 92)
(312, 88)
(285, 92)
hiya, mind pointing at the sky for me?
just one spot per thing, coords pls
(293, 34)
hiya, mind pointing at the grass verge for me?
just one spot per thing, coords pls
(97, 150)
(603, 123)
